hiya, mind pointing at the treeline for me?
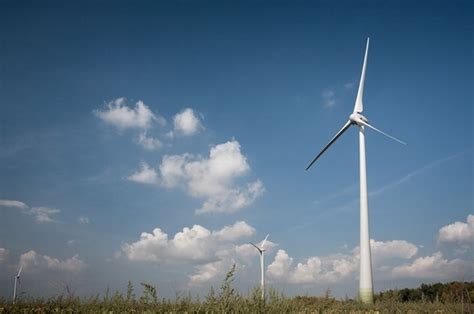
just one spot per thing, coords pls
(438, 292)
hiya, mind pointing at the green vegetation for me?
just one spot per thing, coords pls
(454, 297)
(453, 292)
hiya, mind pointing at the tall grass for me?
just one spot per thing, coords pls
(225, 300)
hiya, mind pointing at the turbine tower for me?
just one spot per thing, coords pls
(261, 250)
(366, 292)
(17, 280)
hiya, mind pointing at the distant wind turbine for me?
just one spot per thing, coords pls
(17, 280)
(261, 250)
(366, 292)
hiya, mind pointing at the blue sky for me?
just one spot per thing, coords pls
(122, 118)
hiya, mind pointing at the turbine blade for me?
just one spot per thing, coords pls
(381, 132)
(19, 272)
(344, 128)
(256, 247)
(263, 242)
(359, 106)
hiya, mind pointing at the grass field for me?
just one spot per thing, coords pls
(438, 298)
(238, 304)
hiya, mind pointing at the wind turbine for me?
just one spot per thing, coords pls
(17, 279)
(261, 250)
(366, 292)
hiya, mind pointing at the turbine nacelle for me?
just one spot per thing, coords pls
(357, 118)
(260, 250)
(261, 247)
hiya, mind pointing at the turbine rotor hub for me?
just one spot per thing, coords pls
(358, 119)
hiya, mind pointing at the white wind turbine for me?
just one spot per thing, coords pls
(357, 119)
(17, 280)
(261, 250)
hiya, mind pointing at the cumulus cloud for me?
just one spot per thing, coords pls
(336, 267)
(240, 255)
(34, 261)
(118, 114)
(207, 272)
(227, 255)
(238, 230)
(280, 267)
(314, 269)
(42, 214)
(15, 204)
(149, 143)
(233, 199)
(150, 247)
(329, 98)
(434, 267)
(190, 244)
(187, 122)
(382, 251)
(212, 179)
(458, 232)
(211, 253)
(83, 220)
(3, 253)
(145, 175)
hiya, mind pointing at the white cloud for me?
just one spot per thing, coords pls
(458, 232)
(3, 253)
(44, 214)
(382, 251)
(280, 267)
(329, 98)
(238, 230)
(232, 199)
(187, 122)
(191, 244)
(211, 253)
(34, 261)
(83, 220)
(207, 272)
(212, 179)
(240, 255)
(172, 169)
(146, 175)
(337, 267)
(227, 254)
(118, 114)
(149, 143)
(150, 247)
(16, 204)
(349, 85)
(434, 267)
(196, 243)
(328, 269)
(307, 272)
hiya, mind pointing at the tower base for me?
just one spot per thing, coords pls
(366, 295)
